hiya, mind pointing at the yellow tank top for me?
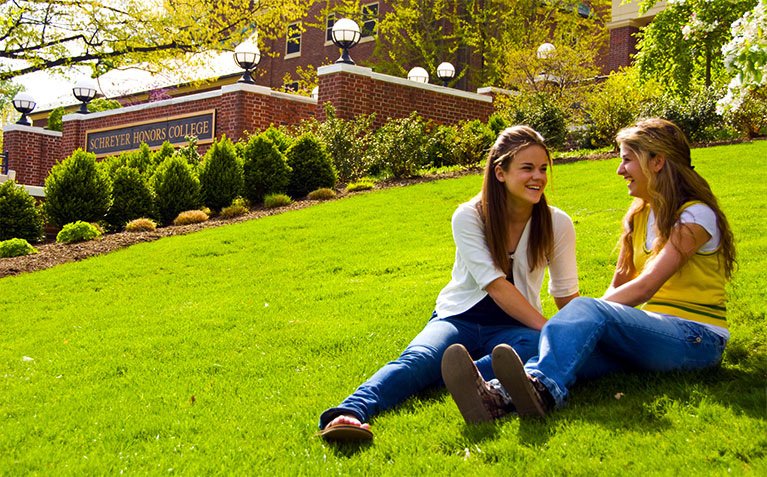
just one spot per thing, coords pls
(696, 291)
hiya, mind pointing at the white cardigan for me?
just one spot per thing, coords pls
(474, 268)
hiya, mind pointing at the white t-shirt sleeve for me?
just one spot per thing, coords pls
(471, 245)
(563, 269)
(704, 216)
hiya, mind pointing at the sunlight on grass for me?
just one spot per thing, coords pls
(215, 352)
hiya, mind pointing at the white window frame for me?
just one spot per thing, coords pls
(329, 27)
(288, 40)
(374, 34)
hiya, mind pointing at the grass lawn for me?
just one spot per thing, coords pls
(215, 352)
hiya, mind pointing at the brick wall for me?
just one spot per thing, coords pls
(239, 109)
(622, 47)
(242, 109)
(355, 90)
(32, 152)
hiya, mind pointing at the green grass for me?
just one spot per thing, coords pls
(267, 323)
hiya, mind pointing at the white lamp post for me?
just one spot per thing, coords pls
(85, 90)
(445, 72)
(247, 55)
(25, 104)
(345, 34)
(419, 75)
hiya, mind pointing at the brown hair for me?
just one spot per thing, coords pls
(674, 185)
(493, 204)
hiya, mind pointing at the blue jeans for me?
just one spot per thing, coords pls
(591, 338)
(419, 366)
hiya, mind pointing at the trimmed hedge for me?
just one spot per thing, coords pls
(76, 189)
(19, 216)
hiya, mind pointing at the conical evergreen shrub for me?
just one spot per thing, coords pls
(131, 198)
(176, 188)
(311, 164)
(76, 189)
(220, 175)
(265, 169)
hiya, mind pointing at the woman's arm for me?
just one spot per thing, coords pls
(506, 295)
(564, 300)
(685, 240)
(621, 277)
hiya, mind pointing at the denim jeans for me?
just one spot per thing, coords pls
(590, 338)
(419, 366)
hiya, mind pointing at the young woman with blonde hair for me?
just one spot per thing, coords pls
(676, 254)
(505, 238)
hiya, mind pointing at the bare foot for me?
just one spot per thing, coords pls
(347, 420)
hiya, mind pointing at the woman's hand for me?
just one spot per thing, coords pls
(511, 301)
(685, 241)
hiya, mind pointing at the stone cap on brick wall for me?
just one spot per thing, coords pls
(227, 89)
(362, 71)
(30, 129)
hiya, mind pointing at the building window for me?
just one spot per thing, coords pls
(331, 20)
(291, 87)
(293, 40)
(369, 20)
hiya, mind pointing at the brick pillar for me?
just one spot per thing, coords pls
(73, 134)
(347, 88)
(31, 152)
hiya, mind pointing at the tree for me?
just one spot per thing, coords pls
(56, 34)
(681, 46)
(479, 35)
(746, 56)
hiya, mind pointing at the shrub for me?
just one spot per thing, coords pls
(189, 152)
(78, 231)
(496, 123)
(346, 142)
(165, 151)
(233, 211)
(322, 194)
(131, 198)
(364, 184)
(103, 104)
(220, 175)
(399, 147)
(141, 225)
(76, 189)
(441, 145)
(615, 104)
(15, 247)
(473, 140)
(190, 217)
(311, 164)
(241, 202)
(265, 169)
(206, 211)
(695, 115)
(750, 118)
(55, 122)
(276, 200)
(542, 113)
(176, 188)
(19, 217)
(279, 138)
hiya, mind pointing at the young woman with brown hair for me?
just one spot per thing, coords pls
(505, 238)
(676, 254)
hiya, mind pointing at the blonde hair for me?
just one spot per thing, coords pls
(671, 187)
(493, 206)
